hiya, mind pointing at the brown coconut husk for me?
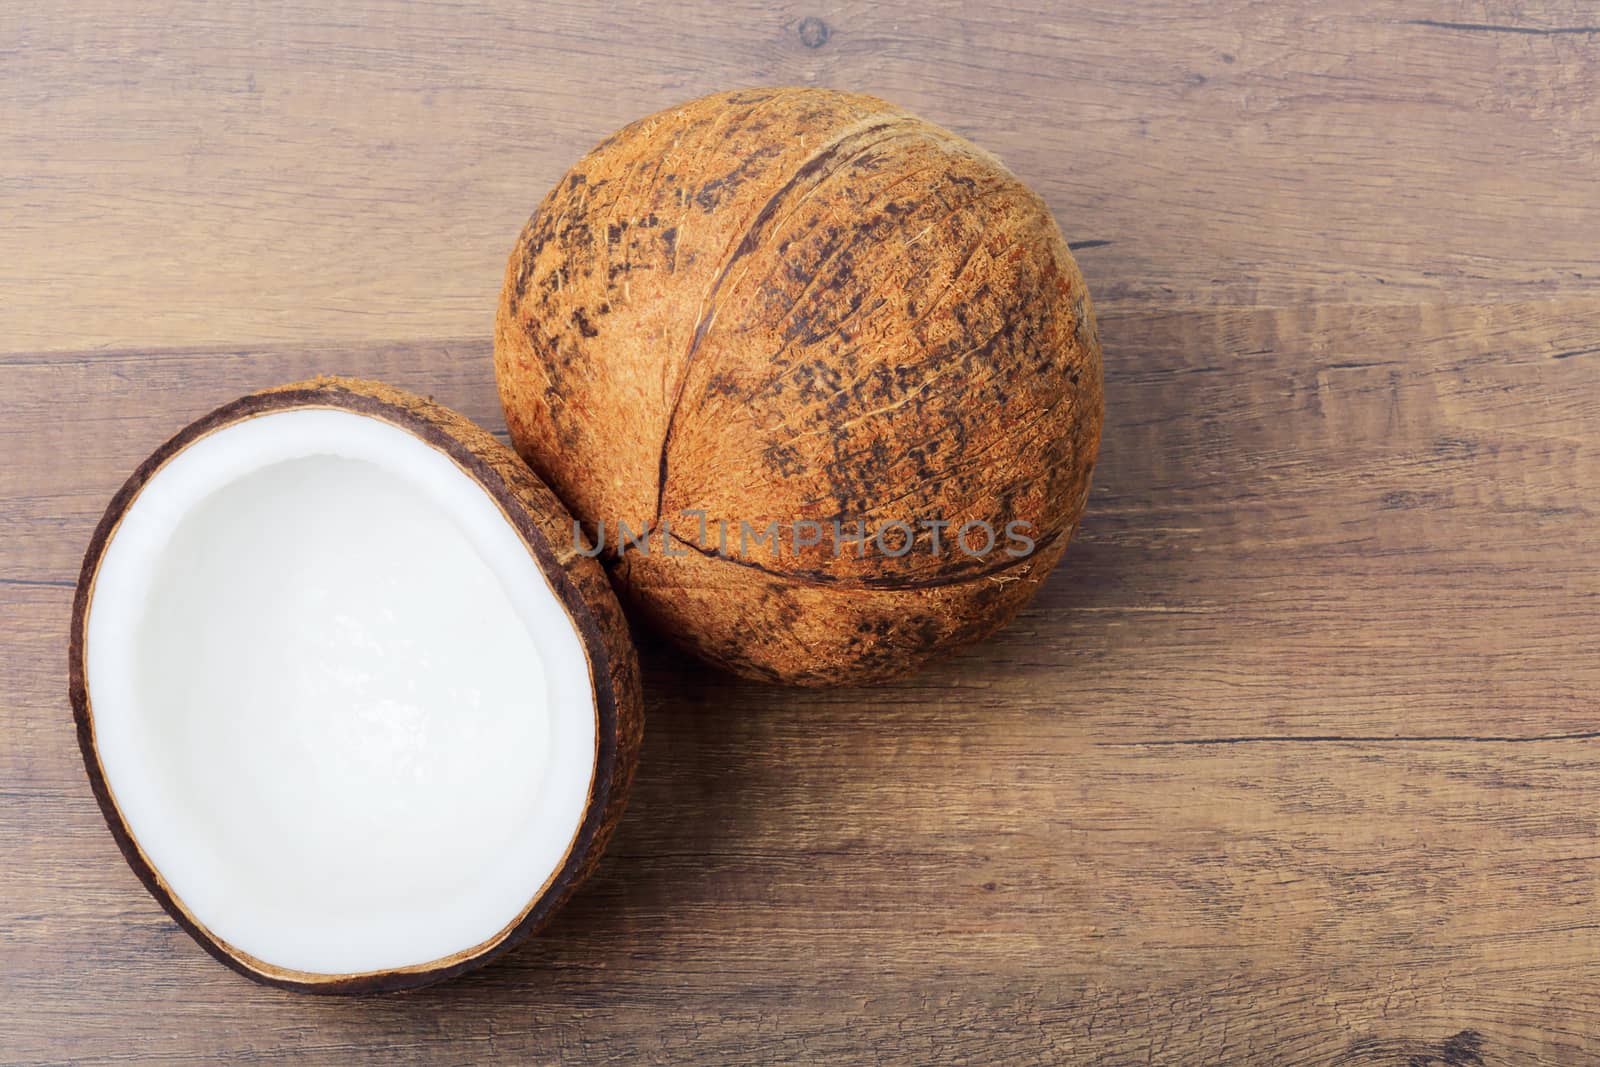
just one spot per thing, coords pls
(798, 304)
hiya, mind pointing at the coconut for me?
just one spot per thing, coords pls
(811, 309)
(356, 712)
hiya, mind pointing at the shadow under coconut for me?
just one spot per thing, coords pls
(777, 816)
(770, 824)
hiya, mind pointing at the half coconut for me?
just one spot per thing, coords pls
(358, 711)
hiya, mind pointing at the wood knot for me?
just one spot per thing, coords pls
(1463, 1049)
(814, 33)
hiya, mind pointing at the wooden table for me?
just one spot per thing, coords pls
(1293, 761)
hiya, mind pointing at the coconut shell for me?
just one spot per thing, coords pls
(579, 583)
(794, 306)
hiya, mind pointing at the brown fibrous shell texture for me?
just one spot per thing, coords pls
(796, 305)
(578, 581)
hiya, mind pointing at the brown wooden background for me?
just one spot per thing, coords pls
(1294, 761)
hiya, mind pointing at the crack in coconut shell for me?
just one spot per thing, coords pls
(1000, 570)
(851, 634)
(579, 583)
(820, 167)
(858, 316)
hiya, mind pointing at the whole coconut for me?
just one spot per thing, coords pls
(811, 309)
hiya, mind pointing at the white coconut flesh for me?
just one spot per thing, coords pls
(337, 703)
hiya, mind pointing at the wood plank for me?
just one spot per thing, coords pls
(1292, 762)
(218, 174)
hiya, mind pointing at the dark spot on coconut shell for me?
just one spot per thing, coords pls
(723, 384)
(713, 192)
(783, 459)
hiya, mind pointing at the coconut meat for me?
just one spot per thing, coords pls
(335, 699)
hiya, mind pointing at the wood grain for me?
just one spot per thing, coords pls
(1293, 761)
(196, 173)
